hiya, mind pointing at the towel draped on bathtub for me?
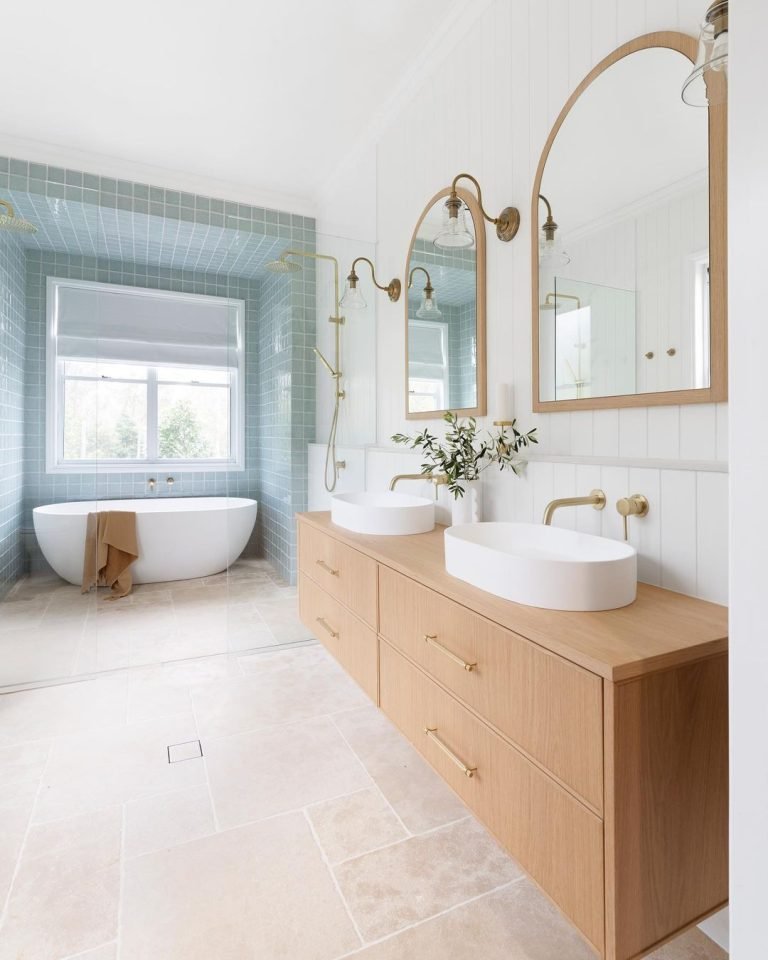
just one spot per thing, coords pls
(110, 549)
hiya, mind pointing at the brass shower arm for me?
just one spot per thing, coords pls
(321, 256)
(428, 289)
(506, 223)
(392, 288)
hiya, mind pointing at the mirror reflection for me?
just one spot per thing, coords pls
(624, 237)
(442, 318)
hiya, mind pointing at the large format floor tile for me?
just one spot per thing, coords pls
(280, 687)
(350, 826)
(65, 897)
(260, 891)
(270, 771)
(166, 820)
(418, 795)
(97, 769)
(399, 885)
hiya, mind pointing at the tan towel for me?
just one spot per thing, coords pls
(110, 549)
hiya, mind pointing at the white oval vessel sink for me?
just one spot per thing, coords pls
(383, 513)
(543, 566)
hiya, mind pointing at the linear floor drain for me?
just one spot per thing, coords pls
(189, 750)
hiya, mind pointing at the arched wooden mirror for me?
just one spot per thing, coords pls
(445, 315)
(629, 239)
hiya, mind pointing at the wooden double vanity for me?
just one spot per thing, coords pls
(592, 745)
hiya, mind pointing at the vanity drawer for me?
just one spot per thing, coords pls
(557, 840)
(344, 573)
(350, 641)
(552, 708)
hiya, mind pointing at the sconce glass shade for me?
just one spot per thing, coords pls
(551, 254)
(353, 298)
(428, 309)
(707, 84)
(454, 232)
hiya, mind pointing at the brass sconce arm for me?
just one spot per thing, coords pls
(506, 223)
(428, 288)
(549, 226)
(392, 288)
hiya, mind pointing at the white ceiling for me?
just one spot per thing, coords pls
(268, 95)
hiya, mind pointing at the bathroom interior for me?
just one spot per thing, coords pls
(380, 549)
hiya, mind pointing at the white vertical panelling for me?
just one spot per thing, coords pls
(712, 536)
(722, 431)
(630, 21)
(698, 432)
(582, 433)
(564, 485)
(645, 532)
(606, 433)
(633, 433)
(542, 476)
(678, 531)
(588, 478)
(615, 484)
(664, 433)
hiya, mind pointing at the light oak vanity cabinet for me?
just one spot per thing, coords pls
(592, 745)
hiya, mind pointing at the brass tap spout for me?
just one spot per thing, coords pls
(595, 499)
(438, 479)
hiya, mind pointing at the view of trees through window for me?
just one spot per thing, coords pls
(129, 412)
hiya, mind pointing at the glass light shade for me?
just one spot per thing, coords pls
(708, 81)
(551, 254)
(454, 232)
(353, 298)
(428, 309)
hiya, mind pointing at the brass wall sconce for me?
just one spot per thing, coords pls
(455, 233)
(550, 252)
(353, 298)
(428, 309)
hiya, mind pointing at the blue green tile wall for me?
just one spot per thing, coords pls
(11, 409)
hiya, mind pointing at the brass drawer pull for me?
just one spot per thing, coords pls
(327, 627)
(431, 732)
(324, 566)
(431, 640)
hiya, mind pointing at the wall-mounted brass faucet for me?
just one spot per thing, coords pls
(439, 479)
(595, 499)
(635, 506)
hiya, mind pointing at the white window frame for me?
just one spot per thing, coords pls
(54, 391)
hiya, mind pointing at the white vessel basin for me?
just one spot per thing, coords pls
(383, 513)
(543, 566)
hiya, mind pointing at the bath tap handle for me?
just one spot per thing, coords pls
(151, 483)
(170, 481)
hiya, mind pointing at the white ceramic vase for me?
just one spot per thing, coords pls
(467, 508)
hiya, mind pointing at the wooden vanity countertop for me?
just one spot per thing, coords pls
(661, 629)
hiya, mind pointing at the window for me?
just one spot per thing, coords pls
(427, 365)
(142, 379)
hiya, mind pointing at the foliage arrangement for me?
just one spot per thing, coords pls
(465, 452)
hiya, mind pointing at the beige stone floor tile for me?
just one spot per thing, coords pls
(16, 808)
(106, 952)
(38, 653)
(154, 823)
(65, 896)
(20, 765)
(516, 923)
(164, 690)
(277, 769)
(420, 798)
(98, 650)
(410, 881)
(67, 709)
(261, 891)
(280, 687)
(27, 612)
(282, 617)
(691, 945)
(350, 826)
(94, 770)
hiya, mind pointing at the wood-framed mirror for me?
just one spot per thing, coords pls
(445, 361)
(629, 247)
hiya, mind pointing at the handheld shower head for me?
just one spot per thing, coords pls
(9, 220)
(283, 265)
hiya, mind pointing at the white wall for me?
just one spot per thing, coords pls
(748, 202)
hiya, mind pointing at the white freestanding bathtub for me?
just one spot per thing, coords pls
(179, 538)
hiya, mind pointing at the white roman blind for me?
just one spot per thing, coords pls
(427, 348)
(137, 325)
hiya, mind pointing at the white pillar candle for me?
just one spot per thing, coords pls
(503, 402)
